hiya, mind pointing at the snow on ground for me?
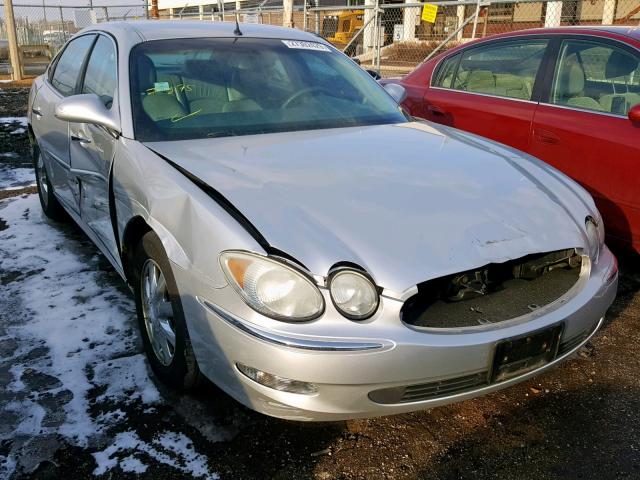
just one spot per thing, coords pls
(14, 156)
(71, 369)
(21, 120)
(169, 448)
(12, 178)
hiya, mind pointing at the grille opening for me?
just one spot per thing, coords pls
(431, 390)
(493, 293)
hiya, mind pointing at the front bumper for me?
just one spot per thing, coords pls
(397, 355)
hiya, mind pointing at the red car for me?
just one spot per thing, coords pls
(569, 96)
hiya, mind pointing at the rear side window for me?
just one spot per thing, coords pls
(65, 77)
(101, 76)
(503, 69)
(596, 76)
(447, 70)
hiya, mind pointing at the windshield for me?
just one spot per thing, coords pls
(217, 87)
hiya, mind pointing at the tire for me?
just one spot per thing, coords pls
(175, 365)
(48, 201)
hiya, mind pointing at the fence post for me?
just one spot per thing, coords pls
(461, 14)
(304, 15)
(64, 33)
(379, 40)
(14, 52)
(475, 20)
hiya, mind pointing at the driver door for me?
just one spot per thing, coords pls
(92, 147)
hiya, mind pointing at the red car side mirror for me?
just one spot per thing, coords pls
(634, 113)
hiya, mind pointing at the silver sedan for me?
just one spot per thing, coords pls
(291, 235)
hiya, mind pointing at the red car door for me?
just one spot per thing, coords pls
(489, 89)
(582, 128)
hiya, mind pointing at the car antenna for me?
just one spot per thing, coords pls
(237, 30)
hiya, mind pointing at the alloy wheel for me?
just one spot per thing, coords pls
(158, 312)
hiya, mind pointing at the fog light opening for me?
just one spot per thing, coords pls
(276, 382)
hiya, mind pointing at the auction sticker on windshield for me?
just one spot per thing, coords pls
(306, 45)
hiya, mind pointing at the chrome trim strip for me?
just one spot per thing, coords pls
(292, 342)
(585, 110)
(484, 95)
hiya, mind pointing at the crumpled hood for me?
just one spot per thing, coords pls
(407, 202)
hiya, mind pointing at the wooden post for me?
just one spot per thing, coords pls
(14, 52)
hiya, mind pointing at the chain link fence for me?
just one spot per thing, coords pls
(390, 36)
(42, 29)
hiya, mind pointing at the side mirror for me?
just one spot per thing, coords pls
(374, 74)
(396, 91)
(634, 113)
(87, 108)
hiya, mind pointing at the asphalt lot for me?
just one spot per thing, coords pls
(77, 401)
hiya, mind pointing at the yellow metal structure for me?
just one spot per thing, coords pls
(348, 23)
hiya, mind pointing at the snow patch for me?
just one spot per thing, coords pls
(169, 448)
(21, 120)
(14, 178)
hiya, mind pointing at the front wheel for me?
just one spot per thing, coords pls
(161, 318)
(50, 204)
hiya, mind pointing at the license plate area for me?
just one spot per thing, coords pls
(519, 355)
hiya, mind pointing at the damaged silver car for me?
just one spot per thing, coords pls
(291, 235)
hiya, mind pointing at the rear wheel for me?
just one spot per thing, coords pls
(50, 204)
(161, 317)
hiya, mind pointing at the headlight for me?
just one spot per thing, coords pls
(593, 237)
(353, 294)
(272, 288)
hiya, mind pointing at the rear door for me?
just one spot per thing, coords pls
(92, 147)
(582, 128)
(53, 134)
(489, 89)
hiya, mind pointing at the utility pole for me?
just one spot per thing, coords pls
(14, 52)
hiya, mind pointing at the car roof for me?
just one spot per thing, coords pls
(629, 31)
(133, 32)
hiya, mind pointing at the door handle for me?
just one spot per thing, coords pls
(37, 111)
(80, 139)
(545, 136)
(436, 110)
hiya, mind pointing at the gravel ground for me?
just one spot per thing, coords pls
(76, 397)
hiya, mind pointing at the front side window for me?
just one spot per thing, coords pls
(596, 76)
(101, 76)
(67, 72)
(504, 69)
(205, 88)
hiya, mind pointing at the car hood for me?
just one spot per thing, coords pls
(407, 202)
